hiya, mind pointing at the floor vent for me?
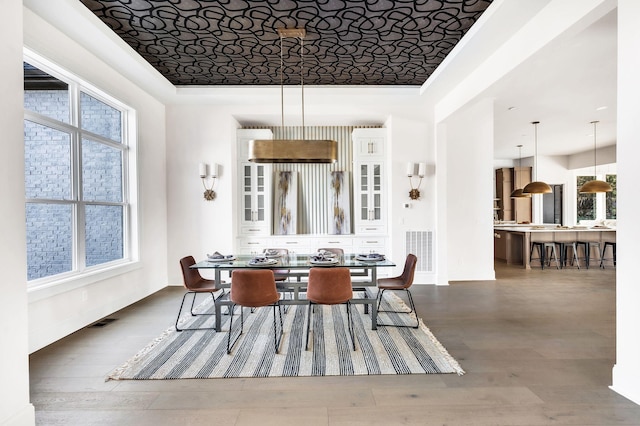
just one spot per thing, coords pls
(420, 243)
(103, 322)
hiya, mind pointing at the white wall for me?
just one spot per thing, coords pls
(469, 176)
(198, 134)
(15, 408)
(53, 315)
(626, 373)
(410, 143)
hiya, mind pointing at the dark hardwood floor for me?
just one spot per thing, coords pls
(537, 346)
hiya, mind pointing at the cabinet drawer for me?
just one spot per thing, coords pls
(254, 230)
(370, 229)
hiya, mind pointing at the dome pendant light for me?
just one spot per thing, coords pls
(595, 186)
(517, 193)
(536, 187)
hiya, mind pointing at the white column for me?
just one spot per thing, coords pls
(15, 408)
(626, 372)
(467, 217)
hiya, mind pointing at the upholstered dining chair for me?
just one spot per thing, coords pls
(254, 289)
(400, 283)
(329, 286)
(194, 283)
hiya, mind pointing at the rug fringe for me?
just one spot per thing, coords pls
(117, 372)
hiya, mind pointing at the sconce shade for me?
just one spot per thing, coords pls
(422, 169)
(202, 170)
(293, 151)
(595, 186)
(537, 188)
(411, 169)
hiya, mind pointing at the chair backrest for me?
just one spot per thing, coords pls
(280, 273)
(334, 250)
(253, 287)
(329, 286)
(190, 276)
(276, 251)
(409, 270)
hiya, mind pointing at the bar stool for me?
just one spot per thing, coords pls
(542, 248)
(604, 249)
(564, 247)
(588, 246)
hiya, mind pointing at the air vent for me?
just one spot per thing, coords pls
(102, 323)
(420, 243)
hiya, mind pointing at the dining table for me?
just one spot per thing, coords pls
(363, 268)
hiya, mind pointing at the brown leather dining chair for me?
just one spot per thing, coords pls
(329, 286)
(194, 283)
(400, 283)
(254, 289)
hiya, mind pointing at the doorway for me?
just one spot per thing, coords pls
(552, 206)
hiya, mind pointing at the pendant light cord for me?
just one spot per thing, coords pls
(302, 82)
(595, 160)
(281, 84)
(535, 157)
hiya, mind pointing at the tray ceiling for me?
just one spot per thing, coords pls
(235, 42)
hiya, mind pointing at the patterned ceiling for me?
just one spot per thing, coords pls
(235, 42)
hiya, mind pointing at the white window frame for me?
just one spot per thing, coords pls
(80, 275)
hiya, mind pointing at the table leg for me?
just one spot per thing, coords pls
(218, 311)
(526, 250)
(374, 305)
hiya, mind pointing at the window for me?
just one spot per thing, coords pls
(596, 206)
(76, 176)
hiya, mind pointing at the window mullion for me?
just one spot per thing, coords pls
(79, 210)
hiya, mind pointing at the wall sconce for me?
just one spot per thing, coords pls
(209, 193)
(414, 194)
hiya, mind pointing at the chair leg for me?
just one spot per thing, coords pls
(350, 325)
(277, 337)
(192, 313)
(412, 308)
(306, 345)
(229, 344)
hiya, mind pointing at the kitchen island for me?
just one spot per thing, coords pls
(512, 243)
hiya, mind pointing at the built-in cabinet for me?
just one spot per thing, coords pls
(369, 200)
(255, 186)
(369, 181)
(512, 209)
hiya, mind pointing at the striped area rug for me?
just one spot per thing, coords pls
(202, 354)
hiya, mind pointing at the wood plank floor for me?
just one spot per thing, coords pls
(538, 348)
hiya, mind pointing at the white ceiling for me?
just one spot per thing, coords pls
(562, 86)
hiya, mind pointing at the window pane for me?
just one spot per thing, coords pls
(100, 118)
(45, 94)
(103, 234)
(49, 239)
(47, 162)
(586, 203)
(611, 197)
(101, 172)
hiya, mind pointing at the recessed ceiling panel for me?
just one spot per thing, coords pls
(235, 42)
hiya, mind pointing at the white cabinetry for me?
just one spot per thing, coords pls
(255, 186)
(369, 181)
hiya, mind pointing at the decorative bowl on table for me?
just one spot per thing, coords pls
(370, 257)
(271, 254)
(323, 259)
(217, 257)
(262, 261)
